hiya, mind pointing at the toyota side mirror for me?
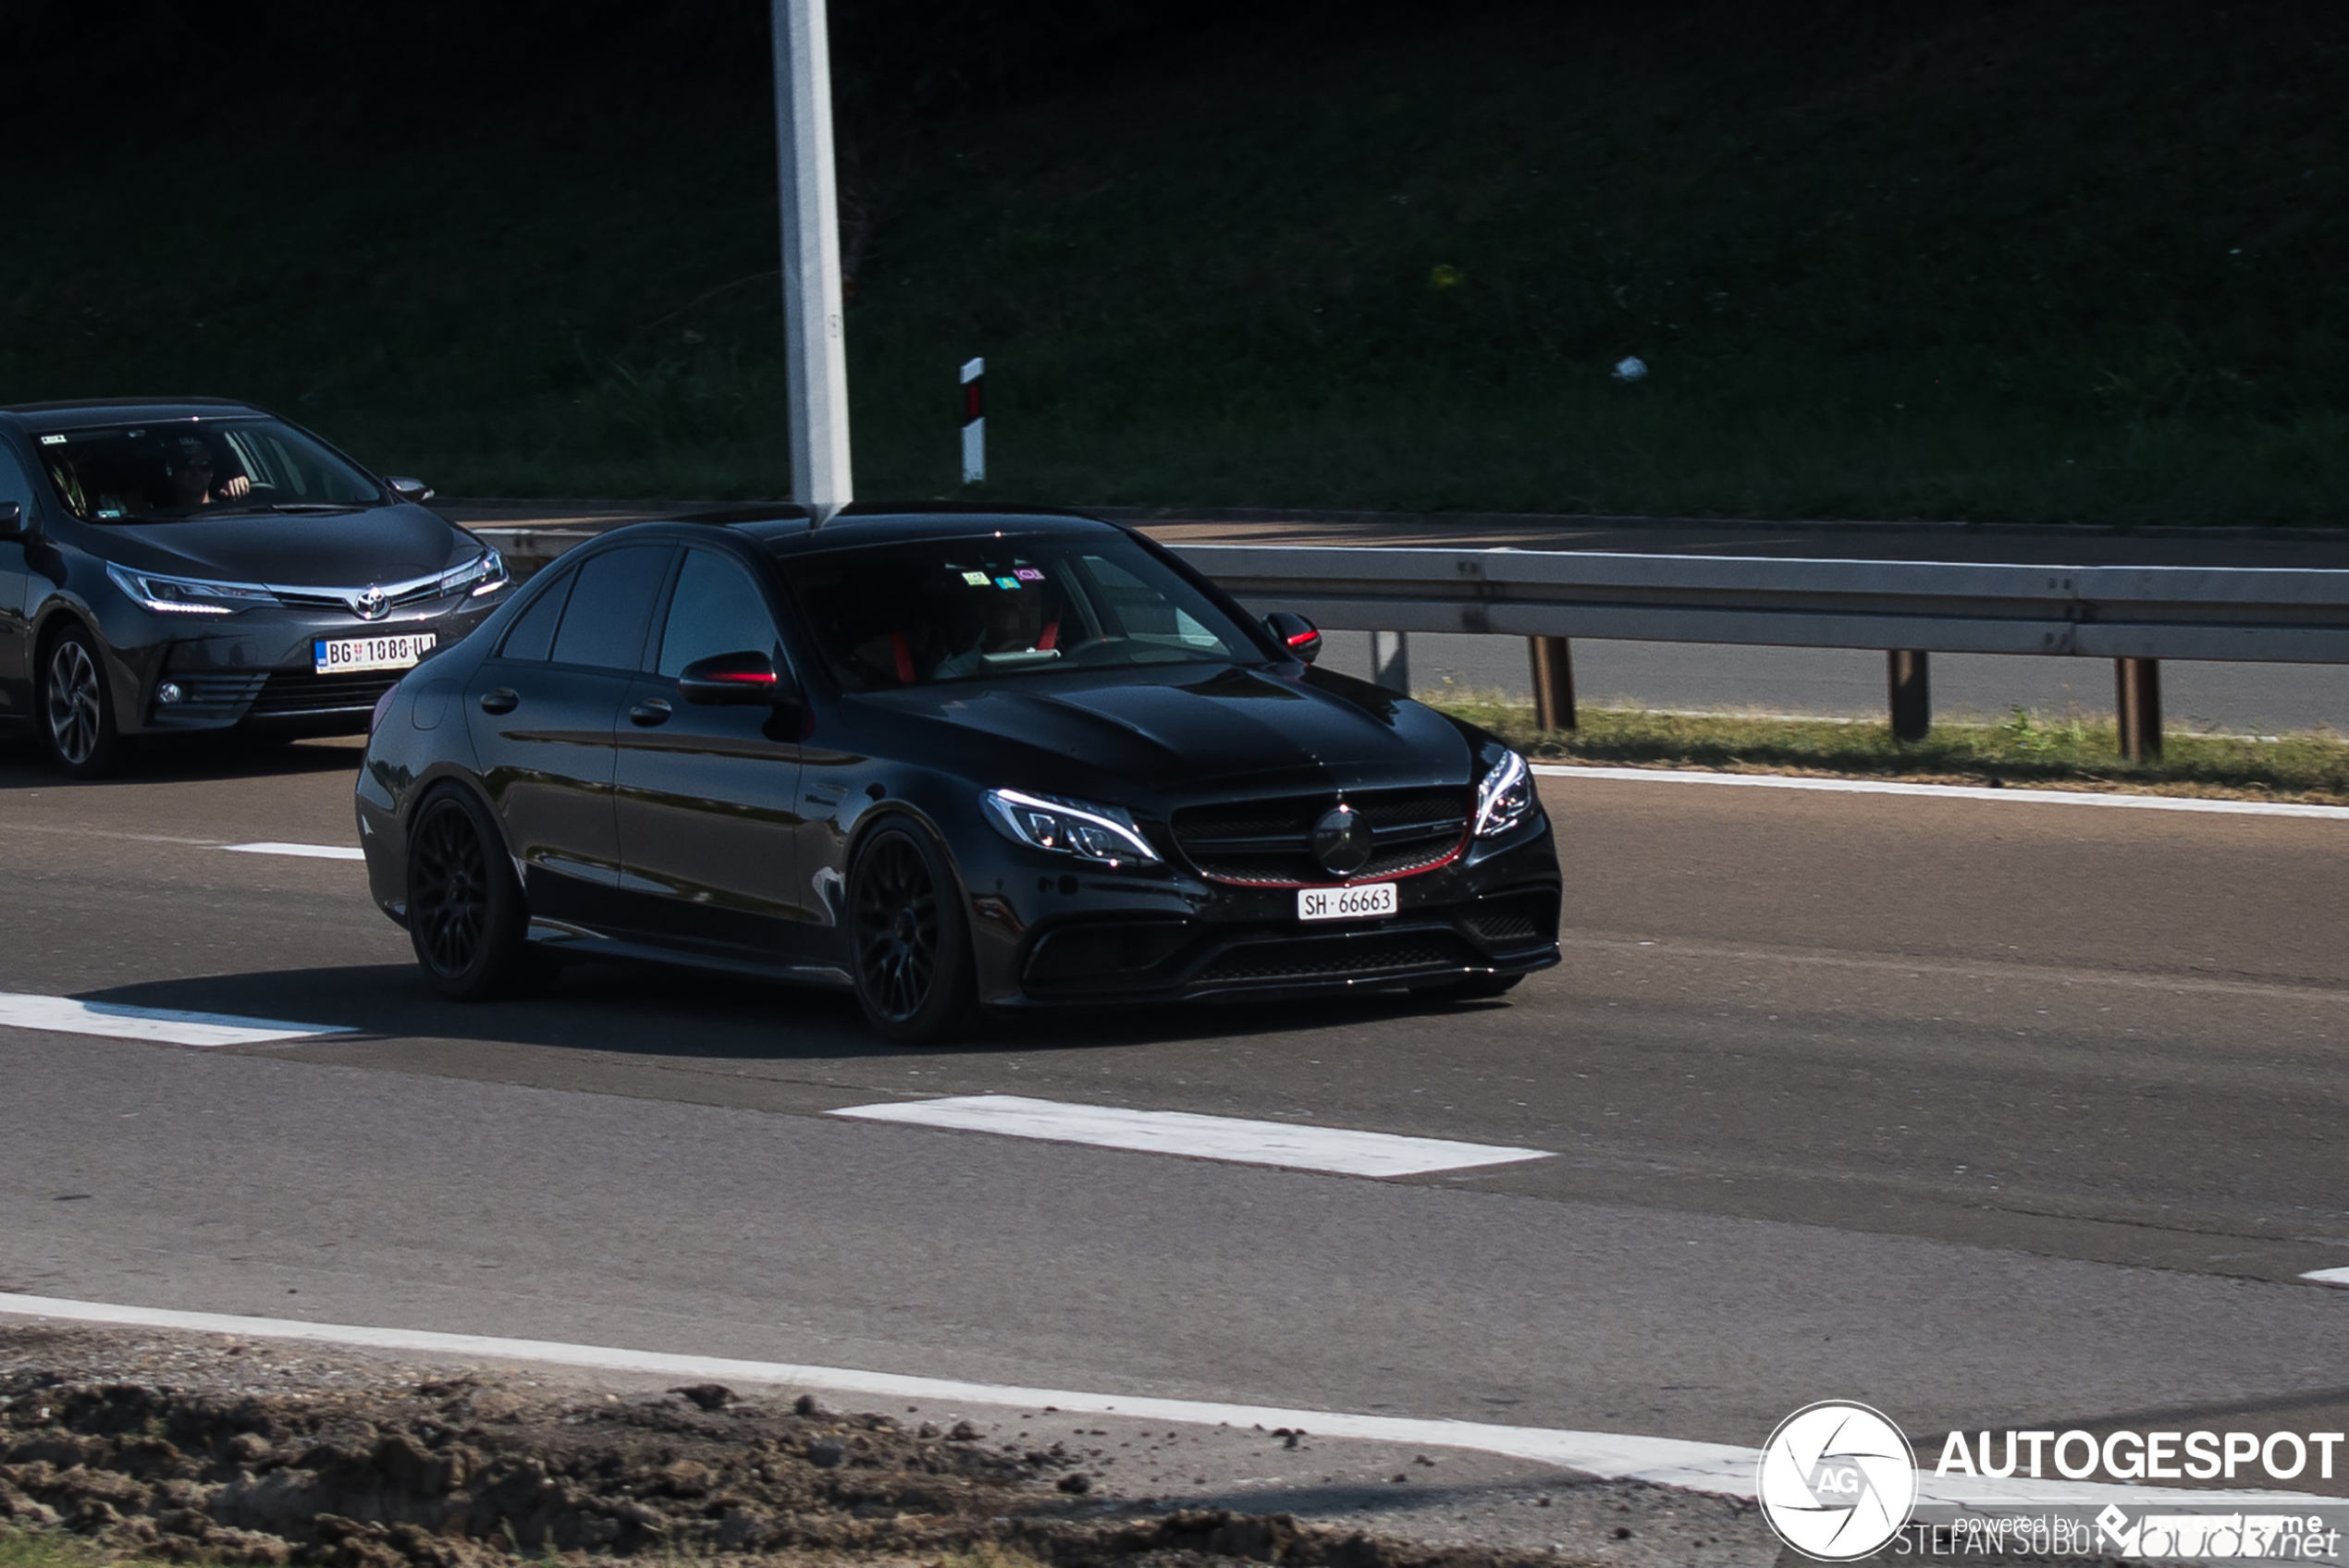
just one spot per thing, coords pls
(12, 521)
(745, 679)
(412, 490)
(1297, 634)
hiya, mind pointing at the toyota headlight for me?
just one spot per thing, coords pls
(486, 575)
(188, 595)
(1504, 797)
(1061, 827)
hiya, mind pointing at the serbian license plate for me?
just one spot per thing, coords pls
(1372, 900)
(335, 656)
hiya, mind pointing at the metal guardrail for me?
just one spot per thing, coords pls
(2136, 615)
(2150, 612)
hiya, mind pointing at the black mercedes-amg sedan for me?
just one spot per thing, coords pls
(173, 567)
(946, 759)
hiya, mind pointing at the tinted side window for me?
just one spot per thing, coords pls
(716, 609)
(611, 601)
(534, 630)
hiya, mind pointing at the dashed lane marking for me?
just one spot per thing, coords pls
(64, 1015)
(2327, 1276)
(1335, 1149)
(307, 852)
(1723, 1469)
(1946, 791)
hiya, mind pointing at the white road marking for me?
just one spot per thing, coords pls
(2327, 1276)
(64, 1015)
(1334, 1150)
(308, 852)
(1946, 791)
(1723, 1469)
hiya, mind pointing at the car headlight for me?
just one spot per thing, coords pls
(486, 575)
(188, 595)
(1059, 826)
(1504, 797)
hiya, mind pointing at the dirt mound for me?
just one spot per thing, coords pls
(467, 1473)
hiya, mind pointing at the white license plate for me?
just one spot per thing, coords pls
(1372, 900)
(335, 656)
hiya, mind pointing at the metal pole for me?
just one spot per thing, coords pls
(1391, 661)
(813, 351)
(1553, 682)
(975, 422)
(2136, 685)
(1910, 677)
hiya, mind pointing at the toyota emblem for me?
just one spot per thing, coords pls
(374, 604)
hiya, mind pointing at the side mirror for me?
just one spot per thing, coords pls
(1297, 634)
(12, 521)
(412, 490)
(743, 680)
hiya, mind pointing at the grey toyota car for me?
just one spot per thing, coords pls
(172, 567)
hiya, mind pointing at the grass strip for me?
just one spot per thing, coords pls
(2074, 751)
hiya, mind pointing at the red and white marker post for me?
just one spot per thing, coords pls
(974, 422)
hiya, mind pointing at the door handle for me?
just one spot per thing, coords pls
(652, 711)
(502, 700)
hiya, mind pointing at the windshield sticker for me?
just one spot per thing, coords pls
(52, 440)
(1007, 583)
(976, 579)
(1028, 574)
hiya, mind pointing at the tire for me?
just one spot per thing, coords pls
(77, 710)
(467, 918)
(909, 938)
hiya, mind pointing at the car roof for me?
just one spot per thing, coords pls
(786, 529)
(81, 412)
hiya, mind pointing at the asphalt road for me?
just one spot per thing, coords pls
(1991, 1114)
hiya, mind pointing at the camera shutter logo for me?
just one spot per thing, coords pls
(1837, 1481)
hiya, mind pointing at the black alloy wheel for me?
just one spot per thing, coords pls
(466, 916)
(77, 714)
(912, 945)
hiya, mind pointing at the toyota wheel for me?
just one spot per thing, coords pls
(77, 711)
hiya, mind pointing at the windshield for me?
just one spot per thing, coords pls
(983, 610)
(189, 468)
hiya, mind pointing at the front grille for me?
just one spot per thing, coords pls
(1269, 842)
(342, 598)
(291, 692)
(1337, 958)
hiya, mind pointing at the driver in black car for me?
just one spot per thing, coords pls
(188, 461)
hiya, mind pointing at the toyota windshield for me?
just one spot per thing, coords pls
(197, 468)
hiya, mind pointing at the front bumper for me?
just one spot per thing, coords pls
(1107, 940)
(257, 672)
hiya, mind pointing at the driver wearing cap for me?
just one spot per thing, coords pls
(188, 462)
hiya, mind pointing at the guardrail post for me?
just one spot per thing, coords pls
(2137, 697)
(1391, 661)
(1553, 682)
(1910, 677)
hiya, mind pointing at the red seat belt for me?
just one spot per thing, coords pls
(904, 656)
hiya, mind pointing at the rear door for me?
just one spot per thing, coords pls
(708, 797)
(541, 711)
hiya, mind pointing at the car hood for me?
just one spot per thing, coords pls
(1182, 729)
(319, 550)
